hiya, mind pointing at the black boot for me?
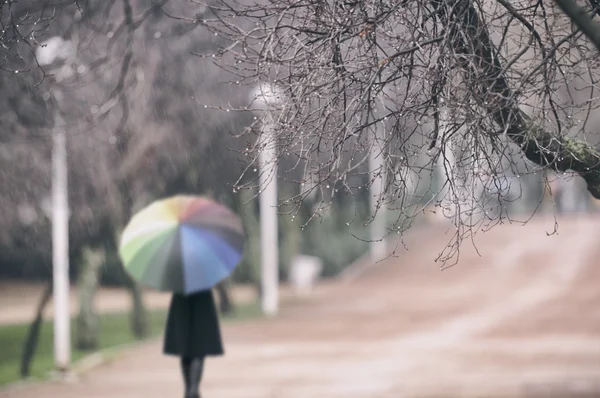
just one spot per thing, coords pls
(196, 368)
(185, 370)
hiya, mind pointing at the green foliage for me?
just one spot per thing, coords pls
(339, 237)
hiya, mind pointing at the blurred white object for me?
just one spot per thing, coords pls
(55, 48)
(266, 97)
(377, 192)
(27, 214)
(50, 51)
(304, 273)
(60, 248)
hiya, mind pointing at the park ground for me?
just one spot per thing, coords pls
(519, 319)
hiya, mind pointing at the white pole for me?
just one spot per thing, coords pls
(445, 170)
(60, 249)
(378, 247)
(268, 222)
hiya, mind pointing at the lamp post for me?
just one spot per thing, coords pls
(378, 248)
(265, 97)
(60, 248)
(445, 169)
(52, 50)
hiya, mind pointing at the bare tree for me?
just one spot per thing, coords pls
(129, 87)
(480, 88)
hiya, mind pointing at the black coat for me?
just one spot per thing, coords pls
(193, 326)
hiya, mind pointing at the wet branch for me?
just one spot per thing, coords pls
(480, 64)
(580, 18)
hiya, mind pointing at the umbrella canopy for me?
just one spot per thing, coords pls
(182, 244)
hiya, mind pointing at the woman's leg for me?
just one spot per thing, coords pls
(185, 370)
(195, 376)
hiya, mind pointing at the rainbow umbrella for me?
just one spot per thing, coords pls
(182, 244)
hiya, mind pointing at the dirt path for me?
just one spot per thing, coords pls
(404, 329)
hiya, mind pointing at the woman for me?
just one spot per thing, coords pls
(193, 333)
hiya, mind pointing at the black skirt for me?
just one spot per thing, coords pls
(193, 326)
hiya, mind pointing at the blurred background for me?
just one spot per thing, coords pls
(518, 312)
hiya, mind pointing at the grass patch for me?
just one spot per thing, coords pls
(115, 330)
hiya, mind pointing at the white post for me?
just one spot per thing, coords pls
(60, 249)
(445, 168)
(378, 247)
(268, 221)
(56, 48)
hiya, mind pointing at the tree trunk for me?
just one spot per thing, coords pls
(470, 38)
(246, 206)
(33, 334)
(582, 19)
(87, 321)
(225, 303)
(139, 315)
(290, 233)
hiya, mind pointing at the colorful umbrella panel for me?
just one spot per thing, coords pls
(182, 244)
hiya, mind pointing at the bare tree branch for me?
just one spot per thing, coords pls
(581, 18)
(539, 145)
(471, 96)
